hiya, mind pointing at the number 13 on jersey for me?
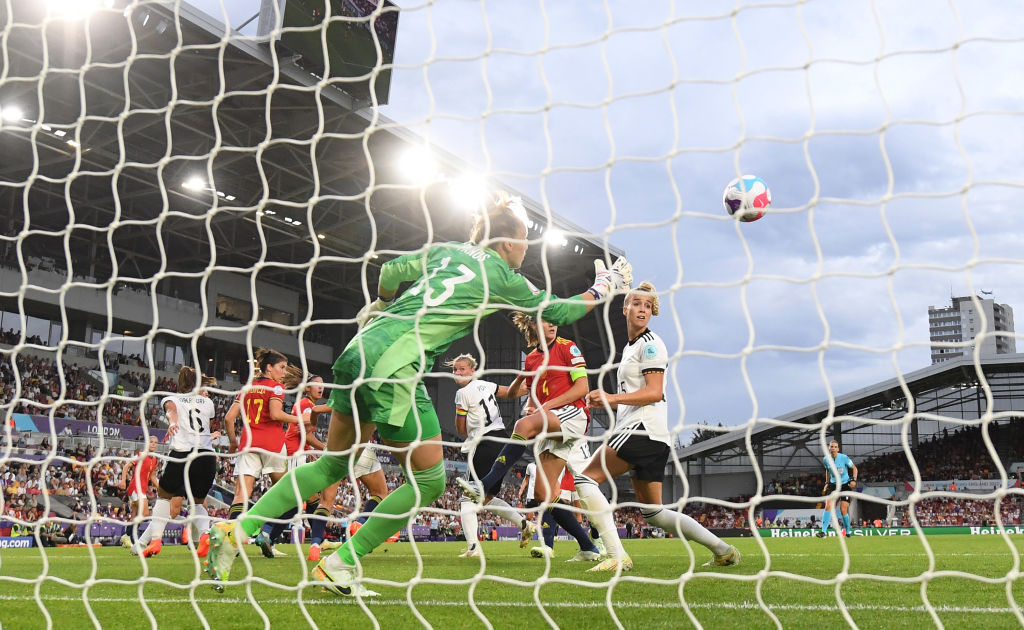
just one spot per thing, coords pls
(430, 297)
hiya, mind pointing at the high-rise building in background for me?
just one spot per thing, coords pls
(962, 321)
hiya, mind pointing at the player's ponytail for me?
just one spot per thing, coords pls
(292, 377)
(528, 325)
(504, 217)
(186, 379)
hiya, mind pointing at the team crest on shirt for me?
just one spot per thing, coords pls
(575, 351)
(651, 351)
(279, 391)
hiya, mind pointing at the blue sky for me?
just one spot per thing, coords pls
(894, 162)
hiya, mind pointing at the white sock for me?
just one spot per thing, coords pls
(600, 513)
(145, 537)
(200, 519)
(682, 525)
(499, 507)
(161, 514)
(470, 525)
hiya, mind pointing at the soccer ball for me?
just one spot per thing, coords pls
(747, 198)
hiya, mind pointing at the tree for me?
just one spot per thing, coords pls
(703, 433)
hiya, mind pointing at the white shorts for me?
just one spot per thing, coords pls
(570, 496)
(298, 459)
(257, 463)
(574, 427)
(136, 497)
(367, 464)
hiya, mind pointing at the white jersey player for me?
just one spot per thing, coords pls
(529, 483)
(478, 418)
(640, 441)
(191, 464)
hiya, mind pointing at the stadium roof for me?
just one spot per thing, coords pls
(952, 388)
(136, 123)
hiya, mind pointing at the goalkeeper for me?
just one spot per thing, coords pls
(378, 379)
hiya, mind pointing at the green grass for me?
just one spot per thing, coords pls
(652, 596)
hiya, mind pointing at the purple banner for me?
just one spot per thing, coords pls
(67, 427)
(512, 533)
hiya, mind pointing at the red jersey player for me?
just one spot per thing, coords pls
(262, 448)
(556, 382)
(143, 469)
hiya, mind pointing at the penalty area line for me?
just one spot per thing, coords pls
(371, 601)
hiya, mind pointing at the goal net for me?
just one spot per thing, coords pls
(184, 183)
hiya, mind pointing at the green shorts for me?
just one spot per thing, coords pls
(401, 409)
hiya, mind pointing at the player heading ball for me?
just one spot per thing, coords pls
(378, 377)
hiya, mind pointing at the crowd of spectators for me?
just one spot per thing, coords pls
(141, 381)
(76, 472)
(949, 511)
(41, 388)
(960, 454)
(718, 517)
(10, 338)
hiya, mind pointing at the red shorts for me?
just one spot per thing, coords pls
(568, 483)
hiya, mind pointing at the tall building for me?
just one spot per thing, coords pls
(962, 321)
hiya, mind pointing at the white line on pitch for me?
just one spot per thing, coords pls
(461, 604)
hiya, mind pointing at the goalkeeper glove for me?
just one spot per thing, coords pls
(371, 311)
(619, 276)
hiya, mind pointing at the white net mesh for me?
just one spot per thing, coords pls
(181, 184)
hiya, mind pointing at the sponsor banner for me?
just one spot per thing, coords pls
(892, 531)
(507, 532)
(109, 530)
(17, 542)
(942, 485)
(68, 427)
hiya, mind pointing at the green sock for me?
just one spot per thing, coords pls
(282, 497)
(394, 512)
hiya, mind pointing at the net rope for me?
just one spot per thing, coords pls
(26, 286)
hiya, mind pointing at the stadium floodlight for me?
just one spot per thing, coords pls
(75, 9)
(469, 191)
(555, 236)
(194, 183)
(12, 113)
(418, 166)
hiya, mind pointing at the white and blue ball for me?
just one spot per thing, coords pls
(747, 198)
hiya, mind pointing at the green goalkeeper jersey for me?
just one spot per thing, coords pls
(457, 285)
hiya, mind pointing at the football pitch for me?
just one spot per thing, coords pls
(798, 587)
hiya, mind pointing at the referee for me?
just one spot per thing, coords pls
(836, 462)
